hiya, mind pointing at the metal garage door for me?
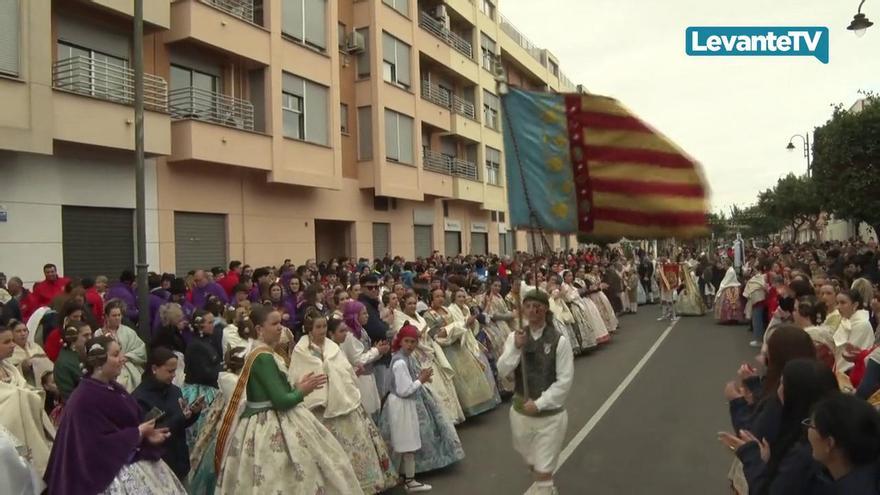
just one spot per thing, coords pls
(97, 241)
(479, 243)
(424, 240)
(381, 240)
(502, 245)
(199, 241)
(452, 241)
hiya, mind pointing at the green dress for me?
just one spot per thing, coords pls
(68, 372)
(278, 446)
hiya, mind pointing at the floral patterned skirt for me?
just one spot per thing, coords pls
(202, 477)
(288, 452)
(366, 450)
(190, 394)
(475, 392)
(729, 306)
(443, 388)
(145, 478)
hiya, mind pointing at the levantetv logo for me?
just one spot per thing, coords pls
(802, 41)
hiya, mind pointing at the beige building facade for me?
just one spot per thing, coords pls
(273, 129)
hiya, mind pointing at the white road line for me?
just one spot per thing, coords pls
(582, 434)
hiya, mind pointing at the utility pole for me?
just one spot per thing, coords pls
(140, 194)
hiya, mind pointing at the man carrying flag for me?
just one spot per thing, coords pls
(542, 361)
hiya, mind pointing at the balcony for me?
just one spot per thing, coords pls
(208, 106)
(226, 25)
(439, 96)
(103, 93)
(106, 81)
(243, 9)
(439, 30)
(447, 165)
(520, 39)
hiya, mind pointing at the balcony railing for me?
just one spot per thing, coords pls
(463, 107)
(436, 162)
(208, 106)
(466, 169)
(243, 9)
(107, 81)
(444, 164)
(439, 30)
(435, 94)
(439, 96)
(521, 39)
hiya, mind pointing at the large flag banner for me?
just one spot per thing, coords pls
(583, 163)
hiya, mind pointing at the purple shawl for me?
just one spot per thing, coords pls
(200, 294)
(97, 437)
(350, 311)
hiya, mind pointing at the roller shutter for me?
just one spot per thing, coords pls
(479, 243)
(381, 240)
(452, 241)
(199, 241)
(424, 240)
(97, 241)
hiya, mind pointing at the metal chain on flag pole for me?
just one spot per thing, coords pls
(533, 216)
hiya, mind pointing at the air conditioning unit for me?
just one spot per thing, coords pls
(440, 12)
(355, 42)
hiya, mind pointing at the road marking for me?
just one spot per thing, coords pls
(594, 420)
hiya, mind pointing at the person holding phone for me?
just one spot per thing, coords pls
(104, 424)
(541, 360)
(163, 402)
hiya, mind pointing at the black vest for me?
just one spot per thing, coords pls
(540, 359)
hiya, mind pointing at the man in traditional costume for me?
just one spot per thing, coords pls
(541, 358)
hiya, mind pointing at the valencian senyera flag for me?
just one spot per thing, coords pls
(584, 163)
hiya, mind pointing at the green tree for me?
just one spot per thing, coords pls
(846, 163)
(793, 202)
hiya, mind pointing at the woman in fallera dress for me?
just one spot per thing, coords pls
(132, 346)
(270, 442)
(338, 404)
(104, 445)
(452, 330)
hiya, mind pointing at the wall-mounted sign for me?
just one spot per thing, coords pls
(479, 227)
(452, 225)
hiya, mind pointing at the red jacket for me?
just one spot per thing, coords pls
(53, 344)
(229, 282)
(46, 290)
(97, 303)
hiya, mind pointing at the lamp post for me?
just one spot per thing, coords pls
(140, 194)
(859, 23)
(806, 140)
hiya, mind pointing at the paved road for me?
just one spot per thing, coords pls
(658, 437)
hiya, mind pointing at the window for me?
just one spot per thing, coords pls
(398, 137)
(445, 208)
(487, 47)
(401, 6)
(494, 215)
(490, 110)
(94, 73)
(304, 106)
(305, 21)
(9, 37)
(395, 55)
(502, 217)
(363, 58)
(340, 36)
(343, 118)
(488, 8)
(493, 166)
(554, 67)
(365, 133)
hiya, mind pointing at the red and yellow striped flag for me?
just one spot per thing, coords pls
(628, 179)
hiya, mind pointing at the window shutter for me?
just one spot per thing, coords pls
(10, 37)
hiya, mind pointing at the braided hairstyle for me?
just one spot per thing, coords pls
(97, 352)
(312, 315)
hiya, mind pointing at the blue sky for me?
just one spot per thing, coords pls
(735, 115)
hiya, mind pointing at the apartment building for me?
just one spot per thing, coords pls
(273, 129)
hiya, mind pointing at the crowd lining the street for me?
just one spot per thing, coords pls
(349, 376)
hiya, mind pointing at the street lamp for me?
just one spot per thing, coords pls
(860, 23)
(806, 140)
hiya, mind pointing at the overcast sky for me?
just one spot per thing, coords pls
(735, 115)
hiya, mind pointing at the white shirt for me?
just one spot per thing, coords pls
(554, 397)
